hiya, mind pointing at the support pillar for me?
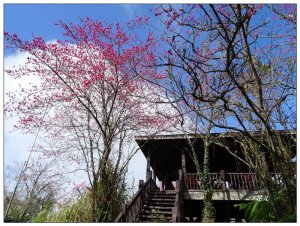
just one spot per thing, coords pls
(148, 172)
(154, 176)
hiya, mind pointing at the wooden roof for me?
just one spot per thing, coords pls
(165, 151)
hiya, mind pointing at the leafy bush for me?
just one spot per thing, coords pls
(261, 210)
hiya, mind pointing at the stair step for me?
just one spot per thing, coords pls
(156, 212)
(162, 196)
(168, 192)
(158, 207)
(150, 217)
(171, 204)
(154, 220)
(163, 193)
(161, 200)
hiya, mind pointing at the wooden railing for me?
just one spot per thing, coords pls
(131, 210)
(178, 208)
(219, 181)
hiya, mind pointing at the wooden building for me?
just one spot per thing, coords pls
(172, 192)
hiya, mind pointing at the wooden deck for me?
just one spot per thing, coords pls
(222, 182)
(226, 186)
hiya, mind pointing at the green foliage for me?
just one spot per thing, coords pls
(79, 211)
(111, 194)
(42, 216)
(262, 210)
(16, 209)
(257, 211)
(110, 201)
(24, 210)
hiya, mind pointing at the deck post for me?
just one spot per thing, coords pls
(141, 183)
(222, 176)
(183, 165)
(148, 172)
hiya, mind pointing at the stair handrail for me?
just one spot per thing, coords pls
(177, 209)
(131, 210)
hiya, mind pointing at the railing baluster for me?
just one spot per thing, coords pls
(244, 181)
(257, 182)
(253, 182)
(249, 181)
(236, 181)
(239, 187)
(230, 181)
(186, 180)
(193, 181)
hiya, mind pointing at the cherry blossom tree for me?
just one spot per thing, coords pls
(90, 99)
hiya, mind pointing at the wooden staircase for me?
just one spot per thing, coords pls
(158, 207)
(151, 205)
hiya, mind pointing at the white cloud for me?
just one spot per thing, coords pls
(16, 144)
(10, 63)
(131, 9)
